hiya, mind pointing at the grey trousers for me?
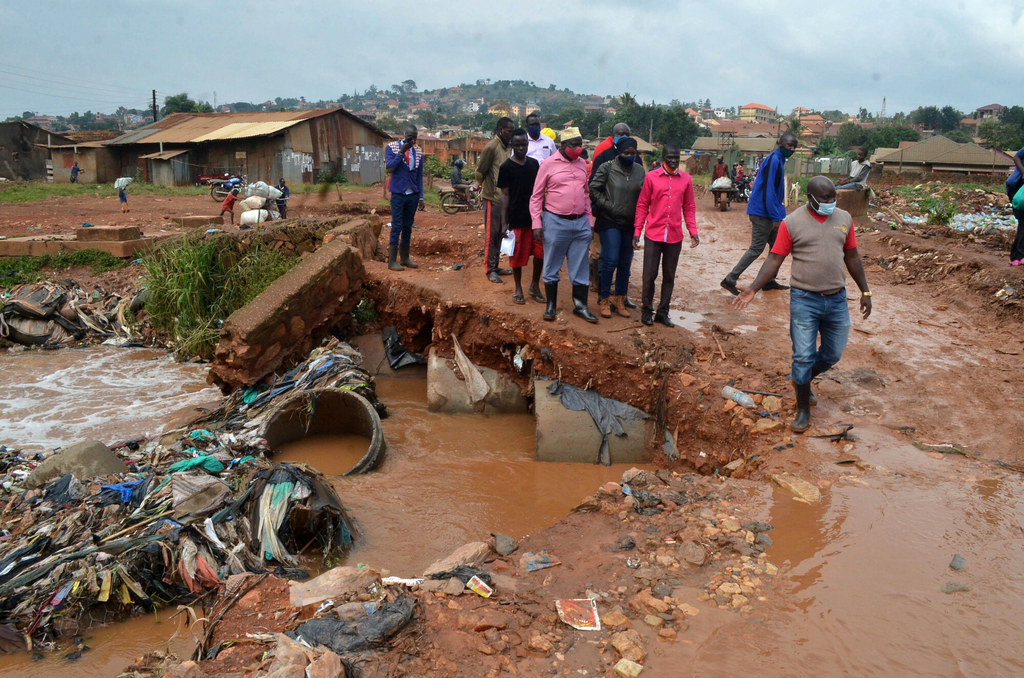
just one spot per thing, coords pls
(762, 233)
(566, 239)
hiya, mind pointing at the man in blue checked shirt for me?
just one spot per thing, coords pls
(404, 163)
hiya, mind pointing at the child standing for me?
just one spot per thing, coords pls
(228, 206)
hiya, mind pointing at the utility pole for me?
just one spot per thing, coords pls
(154, 106)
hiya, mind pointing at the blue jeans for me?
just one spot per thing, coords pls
(403, 211)
(566, 239)
(811, 314)
(616, 257)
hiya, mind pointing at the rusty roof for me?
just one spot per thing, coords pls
(190, 128)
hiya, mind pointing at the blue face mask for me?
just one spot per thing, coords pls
(627, 160)
(785, 151)
(825, 208)
(615, 140)
(533, 131)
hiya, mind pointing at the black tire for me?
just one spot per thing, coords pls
(218, 192)
(451, 204)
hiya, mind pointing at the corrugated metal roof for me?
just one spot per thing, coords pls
(244, 130)
(185, 128)
(743, 144)
(166, 155)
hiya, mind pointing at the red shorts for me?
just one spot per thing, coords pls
(525, 247)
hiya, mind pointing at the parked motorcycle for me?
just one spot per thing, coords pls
(453, 202)
(220, 188)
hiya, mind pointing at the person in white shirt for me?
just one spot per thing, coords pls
(859, 170)
(541, 147)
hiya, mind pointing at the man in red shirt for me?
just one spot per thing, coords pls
(666, 197)
(720, 169)
(561, 216)
(821, 240)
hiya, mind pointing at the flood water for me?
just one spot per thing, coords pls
(861, 574)
(49, 399)
(332, 455)
(448, 479)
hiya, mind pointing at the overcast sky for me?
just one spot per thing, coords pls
(59, 57)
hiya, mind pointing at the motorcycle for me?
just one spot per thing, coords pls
(453, 202)
(742, 189)
(220, 188)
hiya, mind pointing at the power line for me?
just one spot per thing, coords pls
(65, 82)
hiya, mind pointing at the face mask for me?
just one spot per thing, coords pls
(785, 151)
(573, 153)
(825, 208)
(615, 140)
(533, 131)
(627, 160)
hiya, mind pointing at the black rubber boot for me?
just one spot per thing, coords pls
(393, 258)
(579, 302)
(802, 421)
(403, 251)
(551, 291)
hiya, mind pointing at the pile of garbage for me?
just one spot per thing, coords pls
(47, 313)
(260, 204)
(963, 209)
(92, 534)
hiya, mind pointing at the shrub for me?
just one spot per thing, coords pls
(197, 281)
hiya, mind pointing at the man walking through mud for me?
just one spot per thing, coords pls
(494, 154)
(766, 211)
(821, 240)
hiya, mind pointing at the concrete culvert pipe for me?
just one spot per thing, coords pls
(325, 413)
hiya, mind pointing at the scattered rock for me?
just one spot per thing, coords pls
(327, 665)
(803, 490)
(689, 610)
(339, 581)
(766, 424)
(662, 591)
(693, 553)
(771, 404)
(668, 633)
(472, 553)
(629, 644)
(957, 563)
(627, 668)
(85, 460)
(645, 599)
(188, 669)
(615, 618)
(730, 525)
(539, 643)
(625, 544)
(503, 544)
(729, 588)
(653, 620)
(955, 587)
(739, 600)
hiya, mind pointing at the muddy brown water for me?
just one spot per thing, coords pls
(332, 455)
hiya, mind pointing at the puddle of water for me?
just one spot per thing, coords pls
(111, 648)
(330, 454)
(53, 398)
(689, 320)
(450, 479)
(859, 590)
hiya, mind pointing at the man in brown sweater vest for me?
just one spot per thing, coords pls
(821, 240)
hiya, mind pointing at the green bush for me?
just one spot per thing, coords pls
(436, 168)
(198, 281)
(365, 312)
(939, 211)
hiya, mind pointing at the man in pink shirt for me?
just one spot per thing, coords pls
(666, 197)
(560, 212)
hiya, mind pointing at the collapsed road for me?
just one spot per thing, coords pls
(916, 444)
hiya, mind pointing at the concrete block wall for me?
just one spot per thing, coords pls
(280, 326)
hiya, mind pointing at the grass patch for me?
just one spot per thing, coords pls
(33, 191)
(21, 270)
(197, 281)
(366, 312)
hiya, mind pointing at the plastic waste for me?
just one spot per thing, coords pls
(741, 398)
(363, 634)
(251, 217)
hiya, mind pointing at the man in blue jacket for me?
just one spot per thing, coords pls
(404, 162)
(766, 211)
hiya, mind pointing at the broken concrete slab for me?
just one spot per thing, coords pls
(109, 233)
(36, 247)
(568, 435)
(446, 392)
(85, 460)
(196, 220)
(472, 553)
(798, 486)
